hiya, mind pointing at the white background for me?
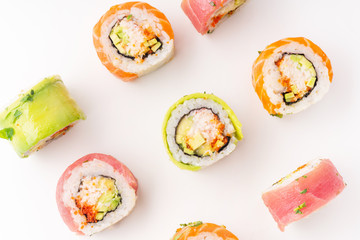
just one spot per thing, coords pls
(42, 38)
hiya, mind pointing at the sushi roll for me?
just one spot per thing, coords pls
(200, 129)
(38, 116)
(206, 15)
(133, 39)
(201, 231)
(290, 75)
(94, 193)
(303, 191)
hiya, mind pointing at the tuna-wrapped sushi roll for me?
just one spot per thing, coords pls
(133, 39)
(206, 15)
(40, 115)
(303, 191)
(201, 231)
(290, 75)
(95, 192)
(200, 129)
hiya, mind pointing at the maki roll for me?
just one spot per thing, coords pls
(38, 116)
(290, 75)
(200, 129)
(200, 231)
(132, 39)
(303, 191)
(95, 192)
(205, 15)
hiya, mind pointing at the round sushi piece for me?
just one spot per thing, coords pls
(38, 116)
(206, 15)
(290, 75)
(200, 231)
(303, 191)
(199, 130)
(95, 192)
(133, 39)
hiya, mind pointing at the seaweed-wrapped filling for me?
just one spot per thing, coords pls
(298, 77)
(201, 133)
(96, 197)
(133, 40)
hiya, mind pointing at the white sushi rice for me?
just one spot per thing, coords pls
(296, 174)
(95, 168)
(274, 89)
(150, 63)
(184, 109)
(206, 236)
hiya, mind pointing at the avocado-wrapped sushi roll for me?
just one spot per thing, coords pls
(200, 129)
(200, 231)
(206, 15)
(290, 75)
(95, 192)
(133, 39)
(303, 191)
(39, 115)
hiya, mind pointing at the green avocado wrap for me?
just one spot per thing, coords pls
(199, 140)
(39, 115)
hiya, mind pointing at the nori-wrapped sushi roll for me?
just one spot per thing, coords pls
(39, 115)
(200, 129)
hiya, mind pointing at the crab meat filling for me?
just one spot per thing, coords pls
(96, 197)
(298, 77)
(201, 133)
(133, 40)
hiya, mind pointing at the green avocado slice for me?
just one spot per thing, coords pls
(231, 115)
(39, 113)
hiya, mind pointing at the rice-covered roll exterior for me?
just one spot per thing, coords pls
(95, 192)
(290, 75)
(201, 231)
(133, 39)
(303, 191)
(200, 129)
(206, 15)
(39, 115)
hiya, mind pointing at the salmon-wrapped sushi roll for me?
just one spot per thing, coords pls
(206, 15)
(95, 192)
(200, 231)
(40, 115)
(199, 130)
(132, 39)
(290, 75)
(302, 192)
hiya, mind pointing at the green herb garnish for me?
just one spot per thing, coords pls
(212, 4)
(259, 52)
(17, 114)
(301, 206)
(32, 92)
(129, 17)
(28, 97)
(192, 224)
(7, 133)
(304, 176)
(277, 115)
(303, 191)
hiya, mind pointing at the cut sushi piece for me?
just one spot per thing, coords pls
(40, 115)
(205, 15)
(290, 75)
(200, 129)
(202, 231)
(133, 39)
(303, 191)
(95, 192)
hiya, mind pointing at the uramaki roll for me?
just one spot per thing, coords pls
(95, 192)
(40, 115)
(133, 39)
(291, 74)
(200, 231)
(199, 130)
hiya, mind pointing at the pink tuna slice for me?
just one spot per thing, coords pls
(65, 212)
(301, 196)
(201, 11)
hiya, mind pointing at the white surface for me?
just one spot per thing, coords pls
(41, 38)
